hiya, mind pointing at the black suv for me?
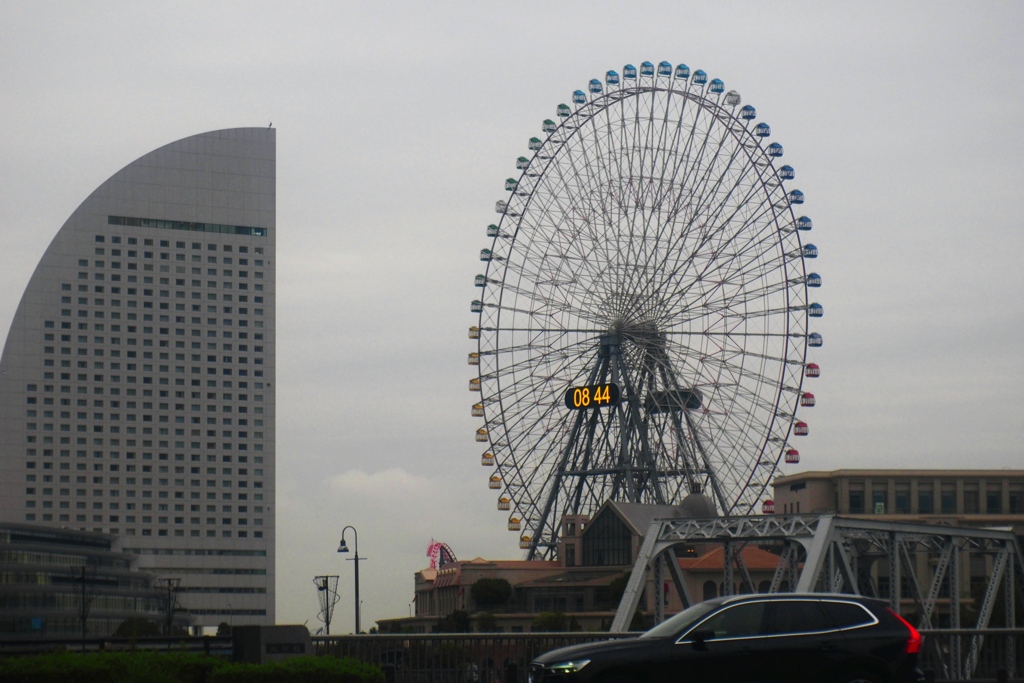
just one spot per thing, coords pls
(791, 638)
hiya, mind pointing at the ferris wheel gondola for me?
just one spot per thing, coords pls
(649, 244)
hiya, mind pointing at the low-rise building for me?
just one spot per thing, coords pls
(51, 579)
(584, 585)
(964, 497)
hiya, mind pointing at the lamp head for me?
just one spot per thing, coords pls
(343, 548)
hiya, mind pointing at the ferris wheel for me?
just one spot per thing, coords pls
(642, 329)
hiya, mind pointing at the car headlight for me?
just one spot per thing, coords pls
(568, 667)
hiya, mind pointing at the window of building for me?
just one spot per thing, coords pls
(971, 503)
(994, 501)
(878, 496)
(925, 500)
(948, 499)
(1016, 500)
(606, 541)
(902, 499)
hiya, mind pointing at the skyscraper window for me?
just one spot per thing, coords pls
(124, 407)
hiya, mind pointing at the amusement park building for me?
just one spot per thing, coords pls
(137, 379)
(594, 553)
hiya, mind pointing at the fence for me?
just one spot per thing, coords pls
(956, 655)
(952, 654)
(968, 654)
(219, 646)
(453, 658)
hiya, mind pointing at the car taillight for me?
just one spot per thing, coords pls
(914, 639)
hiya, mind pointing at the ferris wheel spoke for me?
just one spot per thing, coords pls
(713, 259)
(758, 247)
(648, 242)
(571, 173)
(742, 202)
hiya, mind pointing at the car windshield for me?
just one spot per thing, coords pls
(681, 621)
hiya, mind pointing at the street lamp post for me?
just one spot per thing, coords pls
(343, 548)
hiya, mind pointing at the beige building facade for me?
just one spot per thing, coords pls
(968, 497)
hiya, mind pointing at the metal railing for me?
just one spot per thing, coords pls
(218, 646)
(452, 657)
(972, 654)
(952, 654)
(955, 655)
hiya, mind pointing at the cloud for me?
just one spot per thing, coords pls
(396, 131)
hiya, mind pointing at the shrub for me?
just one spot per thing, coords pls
(490, 593)
(486, 622)
(136, 627)
(456, 622)
(109, 667)
(161, 667)
(550, 622)
(300, 670)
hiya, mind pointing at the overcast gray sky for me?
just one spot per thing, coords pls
(398, 123)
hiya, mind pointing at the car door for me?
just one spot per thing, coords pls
(799, 642)
(724, 647)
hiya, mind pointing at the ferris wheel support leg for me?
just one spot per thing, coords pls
(668, 378)
(635, 421)
(588, 451)
(692, 465)
(610, 346)
(600, 369)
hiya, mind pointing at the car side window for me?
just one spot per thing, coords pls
(847, 614)
(737, 621)
(797, 616)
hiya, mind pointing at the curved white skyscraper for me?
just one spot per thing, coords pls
(137, 380)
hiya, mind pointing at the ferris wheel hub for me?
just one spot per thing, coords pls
(649, 243)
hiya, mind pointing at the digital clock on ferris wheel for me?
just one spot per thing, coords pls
(593, 396)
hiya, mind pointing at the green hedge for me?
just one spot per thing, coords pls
(159, 667)
(109, 667)
(300, 670)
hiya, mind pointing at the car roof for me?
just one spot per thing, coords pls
(732, 599)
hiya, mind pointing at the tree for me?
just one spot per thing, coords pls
(639, 621)
(550, 622)
(395, 627)
(456, 622)
(489, 594)
(223, 629)
(486, 622)
(137, 627)
(617, 587)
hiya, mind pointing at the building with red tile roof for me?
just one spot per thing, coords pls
(585, 583)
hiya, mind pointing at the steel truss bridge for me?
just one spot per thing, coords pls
(925, 565)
